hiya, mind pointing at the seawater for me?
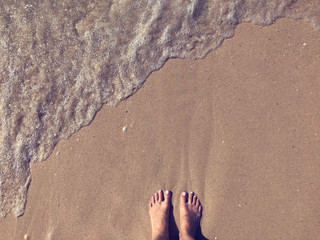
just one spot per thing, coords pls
(62, 60)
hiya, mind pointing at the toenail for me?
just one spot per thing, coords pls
(160, 190)
(191, 192)
(184, 194)
(167, 192)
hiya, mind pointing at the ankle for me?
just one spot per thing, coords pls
(185, 236)
(160, 236)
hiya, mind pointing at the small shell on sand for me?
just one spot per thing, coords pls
(124, 129)
(25, 237)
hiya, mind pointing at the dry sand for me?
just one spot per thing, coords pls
(241, 128)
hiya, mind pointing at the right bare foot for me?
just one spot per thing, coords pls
(190, 215)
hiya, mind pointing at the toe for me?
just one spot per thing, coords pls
(153, 200)
(156, 197)
(198, 202)
(161, 198)
(167, 196)
(183, 198)
(200, 209)
(191, 195)
(194, 201)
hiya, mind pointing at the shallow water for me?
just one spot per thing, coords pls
(62, 60)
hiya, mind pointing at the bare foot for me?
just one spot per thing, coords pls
(159, 212)
(190, 215)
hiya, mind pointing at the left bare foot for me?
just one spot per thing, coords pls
(159, 213)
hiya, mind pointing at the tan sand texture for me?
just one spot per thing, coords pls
(240, 128)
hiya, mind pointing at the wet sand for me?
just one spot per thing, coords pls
(240, 128)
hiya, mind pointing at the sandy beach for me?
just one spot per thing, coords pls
(240, 128)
